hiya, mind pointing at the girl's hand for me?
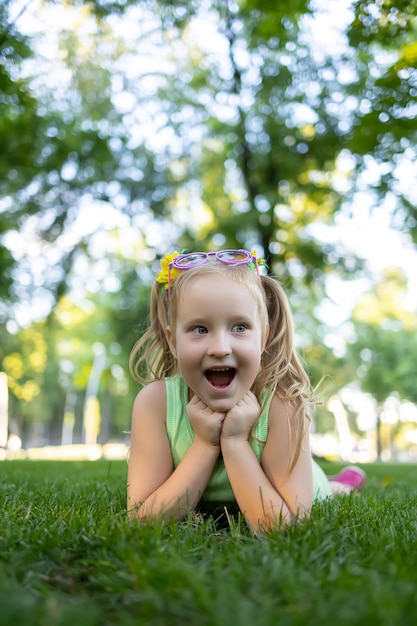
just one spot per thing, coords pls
(240, 420)
(207, 424)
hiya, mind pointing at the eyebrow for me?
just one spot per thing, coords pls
(203, 321)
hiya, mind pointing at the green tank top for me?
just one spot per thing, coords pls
(181, 436)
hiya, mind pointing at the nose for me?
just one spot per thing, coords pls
(219, 344)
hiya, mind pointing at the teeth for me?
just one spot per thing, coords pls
(220, 369)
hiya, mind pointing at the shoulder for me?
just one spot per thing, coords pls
(285, 420)
(151, 398)
(288, 439)
(280, 408)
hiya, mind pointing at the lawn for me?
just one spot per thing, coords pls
(69, 556)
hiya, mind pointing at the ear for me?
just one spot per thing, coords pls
(170, 341)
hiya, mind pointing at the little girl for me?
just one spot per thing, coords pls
(222, 420)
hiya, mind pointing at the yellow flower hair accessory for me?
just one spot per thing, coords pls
(165, 274)
(260, 262)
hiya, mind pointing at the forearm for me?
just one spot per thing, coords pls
(260, 503)
(183, 488)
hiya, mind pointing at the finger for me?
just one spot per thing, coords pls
(248, 399)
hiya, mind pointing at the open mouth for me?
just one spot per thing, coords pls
(220, 376)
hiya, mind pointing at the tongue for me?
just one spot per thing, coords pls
(220, 379)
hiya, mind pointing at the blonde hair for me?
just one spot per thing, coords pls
(281, 372)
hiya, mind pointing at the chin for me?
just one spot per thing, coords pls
(221, 406)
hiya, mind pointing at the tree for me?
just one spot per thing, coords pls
(17, 118)
(382, 36)
(385, 347)
(68, 146)
(251, 131)
(264, 164)
(241, 138)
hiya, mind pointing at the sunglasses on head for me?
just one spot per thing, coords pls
(228, 257)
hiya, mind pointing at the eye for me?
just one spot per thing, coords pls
(239, 328)
(199, 330)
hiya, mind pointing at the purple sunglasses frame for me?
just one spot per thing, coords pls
(249, 258)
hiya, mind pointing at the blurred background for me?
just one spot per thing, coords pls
(131, 128)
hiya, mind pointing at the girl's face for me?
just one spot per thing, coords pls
(217, 340)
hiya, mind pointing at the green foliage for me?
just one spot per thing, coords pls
(235, 142)
(383, 35)
(69, 553)
(256, 156)
(385, 346)
(385, 22)
(257, 151)
(17, 117)
(387, 362)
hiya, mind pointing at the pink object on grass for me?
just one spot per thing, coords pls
(351, 476)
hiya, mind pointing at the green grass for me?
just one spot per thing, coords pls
(69, 556)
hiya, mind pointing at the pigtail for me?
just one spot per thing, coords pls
(151, 358)
(282, 372)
